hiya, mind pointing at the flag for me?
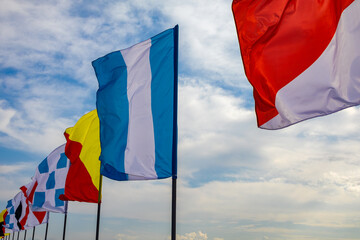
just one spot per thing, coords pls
(137, 108)
(49, 183)
(301, 57)
(20, 216)
(17, 215)
(2, 222)
(36, 218)
(41, 215)
(83, 150)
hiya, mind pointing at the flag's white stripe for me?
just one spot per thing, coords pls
(318, 87)
(140, 148)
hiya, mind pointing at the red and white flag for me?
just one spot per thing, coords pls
(31, 219)
(301, 57)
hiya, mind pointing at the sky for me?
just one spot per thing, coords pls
(235, 181)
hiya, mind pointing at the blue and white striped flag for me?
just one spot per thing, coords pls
(137, 108)
(49, 182)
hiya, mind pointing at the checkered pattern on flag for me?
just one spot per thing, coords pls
(16, 213)
(20, 216)
(49, 182)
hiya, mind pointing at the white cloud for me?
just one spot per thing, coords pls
(192, 236)
(8, 169)
(208, 40)
(125, 237)
(12, 177)
(6, 114)
(37, 133)
(229, 202)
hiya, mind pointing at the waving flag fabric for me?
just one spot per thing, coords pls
(301, 57)
(20, 216)
(49, 183)
(17, 214)
(41, 215)
(83, 150)
(2, 222)
(137, 104)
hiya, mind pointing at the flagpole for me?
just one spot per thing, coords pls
(33, 233)
(174, 150)
(47, 226)
(25, 235)
(65, 218)
(18, 235)
(13, 235)
(173, 210)
(98, 211)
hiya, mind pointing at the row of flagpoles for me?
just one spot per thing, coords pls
(100, 144)
(11, 235)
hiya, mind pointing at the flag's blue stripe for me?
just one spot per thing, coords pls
(113, 110)
(162, 99)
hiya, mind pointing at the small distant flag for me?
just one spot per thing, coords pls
(301, 57)
(39, 216)
(49, 183)
(20, 216)
(83, 150)
(17, 215)
(137, 108)
(2, 222)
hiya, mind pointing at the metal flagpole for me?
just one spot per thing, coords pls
(18, 235)
(174, 150)
(47, 226)
(98, 211)
(25, 235)
(13, 235)
(173, 210)
(33, 233)
(65, 217)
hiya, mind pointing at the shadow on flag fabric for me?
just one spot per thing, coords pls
(49, 183)
(83, 150)
(301, 57)
(137, 108)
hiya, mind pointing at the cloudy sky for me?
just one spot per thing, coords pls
(235, 181)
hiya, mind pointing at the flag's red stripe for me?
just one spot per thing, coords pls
(279, 40)
(78, 185)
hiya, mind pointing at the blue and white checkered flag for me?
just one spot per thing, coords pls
(49, 182)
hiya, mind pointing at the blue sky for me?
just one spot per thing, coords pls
(235, 180)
